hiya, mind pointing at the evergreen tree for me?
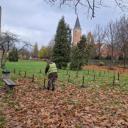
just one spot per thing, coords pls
(35, 51)
(69, 35)
(61, 49)
(79, 54)
(75, 57)
(13, 55)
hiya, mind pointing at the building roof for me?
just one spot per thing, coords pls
(77, 24)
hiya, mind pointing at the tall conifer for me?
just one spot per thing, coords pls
(61, 49)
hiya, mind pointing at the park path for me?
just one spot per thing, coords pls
(67, 107)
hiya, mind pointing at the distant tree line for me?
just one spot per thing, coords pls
(115, 37)
(110, 42)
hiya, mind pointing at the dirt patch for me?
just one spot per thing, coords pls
(106, 68)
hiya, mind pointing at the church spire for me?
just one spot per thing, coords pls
(77, 24)
(76, 32)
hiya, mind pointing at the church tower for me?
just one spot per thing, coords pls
(76, 32)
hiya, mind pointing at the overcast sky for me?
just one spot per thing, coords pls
(36, 21)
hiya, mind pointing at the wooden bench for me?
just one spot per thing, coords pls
(9, 83)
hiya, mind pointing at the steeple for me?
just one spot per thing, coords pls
(77, 24)
(76, 32)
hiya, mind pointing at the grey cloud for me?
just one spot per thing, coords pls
(30, 19)
(37, 21)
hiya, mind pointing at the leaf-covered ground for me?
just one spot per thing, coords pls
(67, 107)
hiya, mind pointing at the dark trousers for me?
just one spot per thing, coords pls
(52, 77)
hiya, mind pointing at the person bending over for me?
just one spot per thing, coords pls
(51, 72)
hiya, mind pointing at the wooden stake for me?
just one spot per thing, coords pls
(88, 72)
(44, 83)
(14, 71)
(118, 76)
(99, 73)
(25, 74)
(82, 82)
(68, 77)
(113, 80)
(33, 78)
(19, 73)
(94, 77)
(77, 74)
(67, 71)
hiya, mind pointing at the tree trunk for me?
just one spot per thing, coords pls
(112, 58)
(2, 59)
(124, 59)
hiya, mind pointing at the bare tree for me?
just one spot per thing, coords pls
(50, 47)
(122, 37)
(24, 53)
(90, 41)
(110, 39)
(90, 5)
(99, 36)
(7, 42)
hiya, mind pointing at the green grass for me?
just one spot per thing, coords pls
(34, 67)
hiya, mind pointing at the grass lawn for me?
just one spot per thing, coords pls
(90, 77)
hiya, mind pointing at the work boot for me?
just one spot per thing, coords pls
(53, 89)
(53, 85)
(48, 88)
(49, 84)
